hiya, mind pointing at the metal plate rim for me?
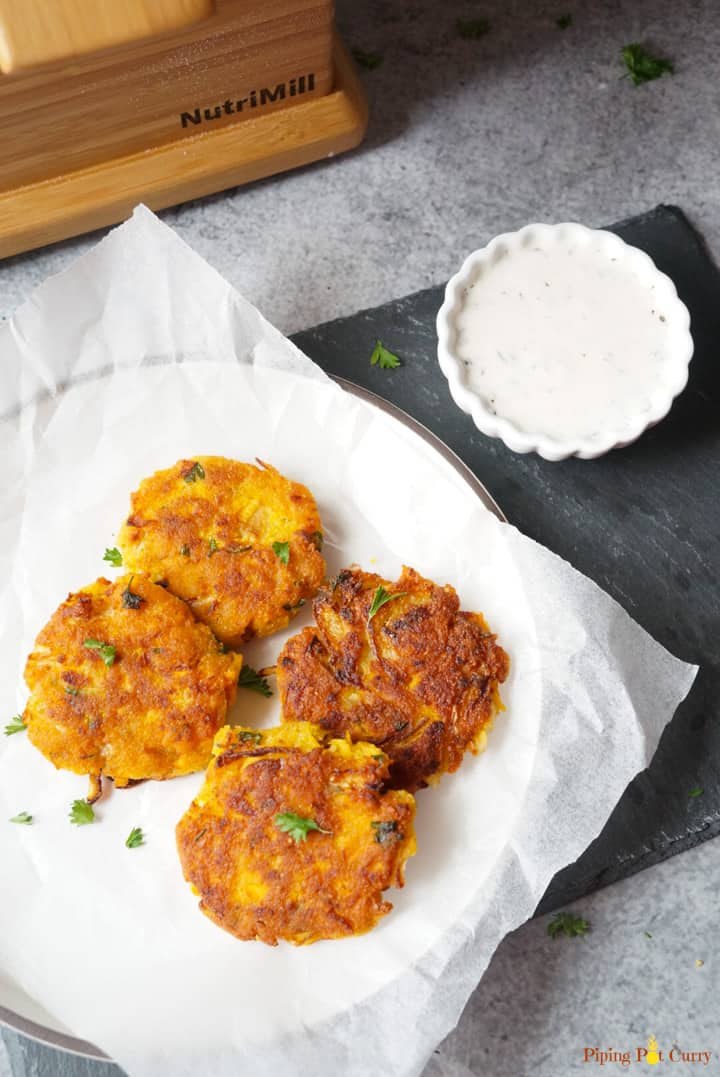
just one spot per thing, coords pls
(428, 436)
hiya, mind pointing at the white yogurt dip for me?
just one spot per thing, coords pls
(563, 337)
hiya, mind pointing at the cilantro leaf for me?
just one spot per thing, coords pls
(383, 358)
(22, 817)
(81, 813)
(473, 29)
(197, 471)
(696, 792)
(564, 923)
(341, 578)
(563, 22)
(106, 650)
(385, 832)
(15, 725)
(292, 608)
(247, 735)
(297, 827)
(113, 556)
(368, 60)
(250, 678)
(71, 690)
(135, 838)
(380, 597)
(130, 600)
(212, 547)
(282, 551)
(642, 66)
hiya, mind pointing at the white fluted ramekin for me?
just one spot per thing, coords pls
(660, 396)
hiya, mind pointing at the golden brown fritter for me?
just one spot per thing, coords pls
(124, 682)
(239, 543)
(292, 837)
(419, 678)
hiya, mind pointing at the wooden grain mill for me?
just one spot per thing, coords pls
(107, 103)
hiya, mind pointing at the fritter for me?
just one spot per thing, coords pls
(241, 544)
(292, 836)
(397, 664)
(124, 682)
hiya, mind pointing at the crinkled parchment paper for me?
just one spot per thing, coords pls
(138, 355)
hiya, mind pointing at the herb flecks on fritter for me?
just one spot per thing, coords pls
(292, 836)
(129, 690)
(397, 664)
(241, 544)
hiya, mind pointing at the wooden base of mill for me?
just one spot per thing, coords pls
(105, 193)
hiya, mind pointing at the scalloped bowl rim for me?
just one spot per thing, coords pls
(676, 365)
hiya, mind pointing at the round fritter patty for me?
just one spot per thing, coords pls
(241, 544)
(292, 836)
(413, 674)
(124, 682)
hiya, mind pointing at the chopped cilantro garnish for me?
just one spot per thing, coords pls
(384, 358)
(292, 608)
(296, 826)
(380, 597)
(15, 725)
(282, 551)
(369, 60)
(246, 735)
(113, 556)
(81, 813)
(197, 471)
(106, 650)
(473, 29)
(564, 923)
(642, 66)
(135, 838)
(22, 817)
(130, 600)
(250, 678)
(385, 832)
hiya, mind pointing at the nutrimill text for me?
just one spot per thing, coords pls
(255, 99)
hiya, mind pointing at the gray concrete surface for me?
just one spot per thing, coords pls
(543, 1000)
(469, 138)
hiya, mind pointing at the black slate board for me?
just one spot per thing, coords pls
(643, 522)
